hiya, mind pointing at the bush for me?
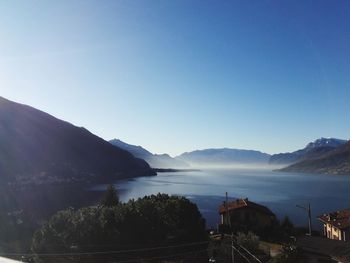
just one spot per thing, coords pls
(290, 254)
(250, 241)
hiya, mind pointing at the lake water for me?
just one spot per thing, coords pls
(279, 191)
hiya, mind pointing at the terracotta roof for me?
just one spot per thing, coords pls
(241, 203)
(338, 219)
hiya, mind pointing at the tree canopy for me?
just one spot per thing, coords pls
(155, 220)
(111, 197)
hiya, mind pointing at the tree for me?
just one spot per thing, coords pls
(287, 229)
(110, 198)
(287, 225)
(150, 221)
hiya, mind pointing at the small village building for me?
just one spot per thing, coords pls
(245, 214)
(336, 225)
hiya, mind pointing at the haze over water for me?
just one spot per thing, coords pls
(281, 192)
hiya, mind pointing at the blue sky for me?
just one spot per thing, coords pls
(175, 76)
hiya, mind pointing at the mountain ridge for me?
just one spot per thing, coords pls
(312, 150)
(154, 160)
(36, 147)
(224, 156)
(336, 162)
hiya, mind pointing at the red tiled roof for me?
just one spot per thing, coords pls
(241, 203)
(338, 219)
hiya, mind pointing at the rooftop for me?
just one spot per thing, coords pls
(325, 246)
(243, 203)
(338, 219)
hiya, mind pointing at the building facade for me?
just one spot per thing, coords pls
(245, 214)
(336, 225)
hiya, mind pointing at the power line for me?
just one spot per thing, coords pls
(239, 252)
(105, 252)
(118, 245)
(247, 251)
(168, 256)
(252, 255)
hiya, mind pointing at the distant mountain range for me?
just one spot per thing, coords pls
(335, 161)
(154, 160)
(313, 150)
(324, 155)
(38, 148)
(224, 156)
(35, 147)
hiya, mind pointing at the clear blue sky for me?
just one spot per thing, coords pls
(175, 76)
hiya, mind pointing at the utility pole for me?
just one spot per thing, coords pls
(229, 224)
(309, 214)
(227, 212)
(308, 210)
(232, 250)
(226, 207)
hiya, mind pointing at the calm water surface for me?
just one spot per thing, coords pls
(279, 191)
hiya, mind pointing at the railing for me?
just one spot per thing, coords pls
(248, 256)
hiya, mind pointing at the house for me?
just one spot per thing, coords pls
(245, 214)
(320, 249)
(336, 225)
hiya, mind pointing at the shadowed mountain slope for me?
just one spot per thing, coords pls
(36, 147)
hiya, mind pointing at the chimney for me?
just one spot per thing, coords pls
(332, 216)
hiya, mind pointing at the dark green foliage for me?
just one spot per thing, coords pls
(287, 226)
(111, 197)
(16, 231)
(290, 254)
(155, 220)
(279, 231)
(283, 231)
(220, 249)
(250, 241)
